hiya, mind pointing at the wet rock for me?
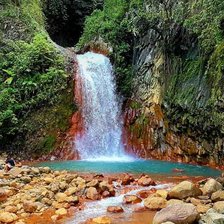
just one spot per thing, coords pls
(211, 186)
(174, 202)
(146, 181)
(178, 214)
(115, 209)
(218, 196)
(184, 189)
(131, 199)
(219, 206)
(29, 206)
(106, 194)
(127, 179)
(102, 220)
(162, 193)
(155, 203)
(105, 186)
(92, 193)
(146, 193)
(7, 217)
(61, 212)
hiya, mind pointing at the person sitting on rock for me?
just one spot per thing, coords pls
(9, 164)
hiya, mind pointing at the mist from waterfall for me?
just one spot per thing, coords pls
(102, 137)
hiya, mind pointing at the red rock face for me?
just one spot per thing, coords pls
(148, 135)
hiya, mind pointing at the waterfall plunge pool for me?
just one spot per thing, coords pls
(134, 167)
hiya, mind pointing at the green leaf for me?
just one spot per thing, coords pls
(8, 81)
(9, 72)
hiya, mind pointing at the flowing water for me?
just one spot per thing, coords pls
(100, 110)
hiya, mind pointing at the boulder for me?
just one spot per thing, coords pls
(146, 181)
(7, 217)
(201, 208)
(174, 202)
(115, 209)
(93, 183)
(219, 206)
(71, 190)
(102, 220)
(184, 189)
(211, 186)
(92, 193)
(218, 196)
(146, 193)
(131, 199)
(127, 179)
(162, 193)
(178, 214)
(155, 203)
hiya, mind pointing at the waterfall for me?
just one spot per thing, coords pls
(101, 138)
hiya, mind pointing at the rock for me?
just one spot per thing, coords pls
(54, 218)
(92, 193)
(184, 189)
(174, 202)
(93, 183)
(15, 171)
(219, 206)
(48, 180)
(105, 186)
(178, 214)
(155, 203)
(35, 170)
(26, 179)
(131, 199)
(61, 212)
(162, 193)
(3, 195)
(218, 196)
(102, 220)
(211, 186)
(20, 222)
(146, 193)
(72, 199)
(213, 218)
(63, 185)
(29, 206)
(61, 197)
(7, 217)
(71, 190)
(11, 209)
(106, 194)
(45, 170)
(203, 208)
(115, 209)
(127, 179)
(146, 181)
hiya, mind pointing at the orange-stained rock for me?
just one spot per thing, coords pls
(115, 209)
(131, 199)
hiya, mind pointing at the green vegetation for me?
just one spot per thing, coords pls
(32, 76)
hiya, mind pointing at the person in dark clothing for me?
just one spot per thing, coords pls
(9, 164)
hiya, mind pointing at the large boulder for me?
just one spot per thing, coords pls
(146, 181)
(184, 189)
(155, 203)
(211, 186)
(178, 214)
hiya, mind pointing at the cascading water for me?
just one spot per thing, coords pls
(101, 138)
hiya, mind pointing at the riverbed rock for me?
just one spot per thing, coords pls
(127, 179)
(218, 196)
(212, 217)
(178, 214)
(155, 203)
(102, 220)
(162, 193)
(61, 197)
(219, 206)
(93, 183)
(3, 195)
(146, 181)
(184, 189)
(71, 190)
(174, 202)
(211, 186)
(92, 193)
(146, 193)
(61, 212)
(115, 209)
(7, 217)
(201, 208)
(131, 199)
(29, 206)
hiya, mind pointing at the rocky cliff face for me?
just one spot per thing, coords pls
(175, 112)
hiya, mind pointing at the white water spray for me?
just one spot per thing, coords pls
(100, 111)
